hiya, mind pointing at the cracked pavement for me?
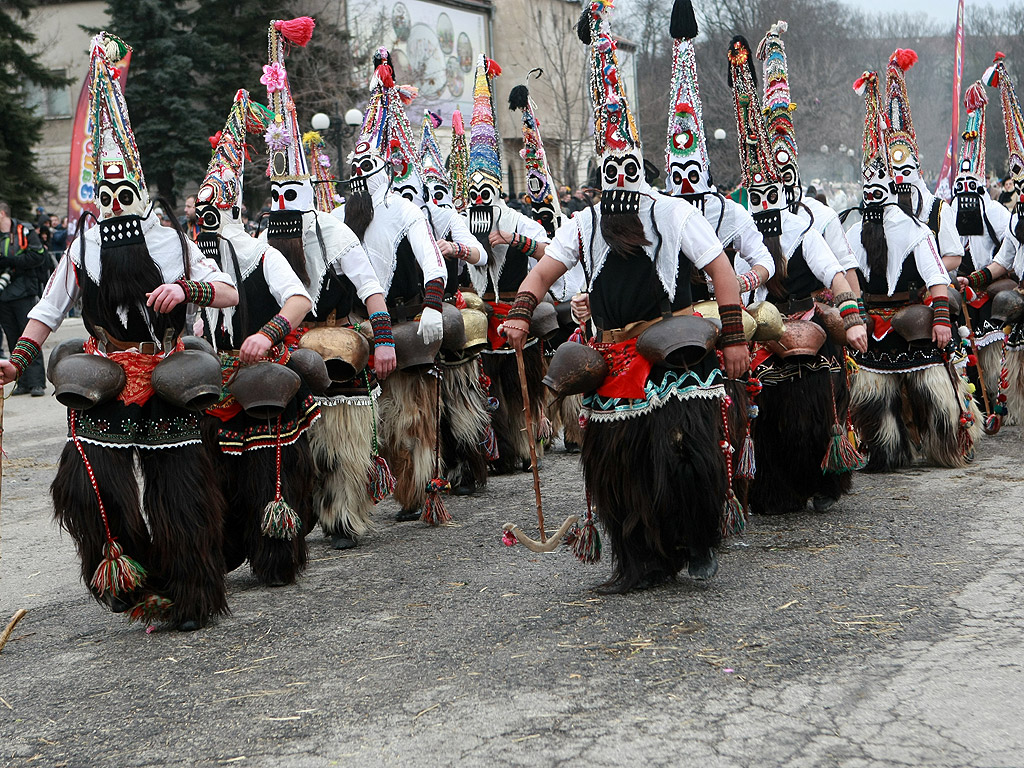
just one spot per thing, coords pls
(886, 632)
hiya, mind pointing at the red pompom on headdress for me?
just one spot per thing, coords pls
(905, 58)
(493, 69)
(298, 31)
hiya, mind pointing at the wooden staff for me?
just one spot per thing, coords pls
(987, 427)
(531, 438)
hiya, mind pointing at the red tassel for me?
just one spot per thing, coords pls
(383, 73)
(434, 510)
(493, 70)
(380, 481)
(298, 31)
(215, 139)
(152, 608)
(905, 58)
(457, 126)
(975, 97)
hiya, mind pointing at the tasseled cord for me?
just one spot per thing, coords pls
(585, 539)
(280, 521)
(117, 574)
(842, 455)
(434, 511)
(490, 440)
(734, 516)
(298, 31)
(746, 467)
(380, 482)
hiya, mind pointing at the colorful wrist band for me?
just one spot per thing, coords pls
(433, 292)
(383, 336)
(198, 293)
(940, 311)
(749, 281)
(523, 307)
(731, 316)
(24, 352)
(276, 329)
(980, 279)
(525, 244)
(862, 309)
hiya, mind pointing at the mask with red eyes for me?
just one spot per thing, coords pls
(484, 196)
(622, 177)
(878, 187)
(118, 194)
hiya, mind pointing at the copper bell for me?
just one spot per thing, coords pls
(678, 342)
(189, 379)
(770, 323)
(575, 369)
(833, 322)
(345, 351)
(802, 337)
(81, 381)
(264, 389)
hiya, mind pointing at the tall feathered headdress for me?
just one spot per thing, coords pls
(687, 165)
(458, 163)
(875, 162)
(539, 184)
(222, 186)
(996, 76)
(969, 184)
(325, 198)
(779, 108)
(904, 155)
(435, 177)
(760, 175)
(115, 153)
(287, 169)
(484, 141)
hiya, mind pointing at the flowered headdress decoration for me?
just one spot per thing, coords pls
(325, 198)
(779, 108)
(539, 184)
(287, 169)
(687, 165)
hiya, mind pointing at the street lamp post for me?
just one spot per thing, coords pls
(337, 128)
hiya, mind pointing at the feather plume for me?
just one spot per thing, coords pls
(682, 23)
(519, 98)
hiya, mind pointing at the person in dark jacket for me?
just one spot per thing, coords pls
(22, 263)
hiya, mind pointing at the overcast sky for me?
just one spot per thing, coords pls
(941, 10)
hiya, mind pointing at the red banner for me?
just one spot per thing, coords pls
(82, 169)
(944, 187)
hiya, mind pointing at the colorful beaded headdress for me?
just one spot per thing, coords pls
(996, 76)
(484, 141)
(539, 184)
(779, 108)
(687, 165)
(904, 155)
(875, 162)
(325, 198)
(458, 163)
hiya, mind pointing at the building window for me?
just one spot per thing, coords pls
(51, 103)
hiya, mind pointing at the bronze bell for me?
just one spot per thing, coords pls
(311, 367)
(1008, 307)
(998, 286)
(770, 323)
(545, 321)
(410, 350)
(62, 350)
(575, 369)
(914, 323)
(475, 325)
(345, 352)
(802, 337)
(473, 301)
(709, 310)
(678, 342)
(454, 339)
(189, 379)
(199, 344)
(81, 381)
(264, 389)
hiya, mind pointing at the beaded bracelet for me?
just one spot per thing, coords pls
(461, 251)
(731, 316)
(749, 281)
(980, 279)
(25, 351)
(276, 328)
(433, 292)
(199, 293)
(940, 311)
(862, 309)
(525, 244)
(383, 336)
(522, 308)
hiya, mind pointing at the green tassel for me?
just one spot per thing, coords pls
(586, 542)
(280, 521)
(734, 519)
(117, 573)
(842, 455)
(153, 608)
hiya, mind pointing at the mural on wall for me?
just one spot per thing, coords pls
(433, 47)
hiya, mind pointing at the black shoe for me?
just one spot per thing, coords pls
(571, 447)
(38, 392)
(823, 503)
(408, 515)
(190, 625)
(703, 564)
(466, 488)
(342, 541)
(119, 605)
(19, 390)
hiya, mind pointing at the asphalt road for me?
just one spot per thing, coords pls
(887, 632)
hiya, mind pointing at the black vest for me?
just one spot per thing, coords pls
(407, 282)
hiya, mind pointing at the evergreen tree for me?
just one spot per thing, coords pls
(20, 127)
(170, 128)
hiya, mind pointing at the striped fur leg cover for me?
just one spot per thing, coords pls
(342, 440)
(408, 433)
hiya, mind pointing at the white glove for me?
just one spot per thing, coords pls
(431, 327)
